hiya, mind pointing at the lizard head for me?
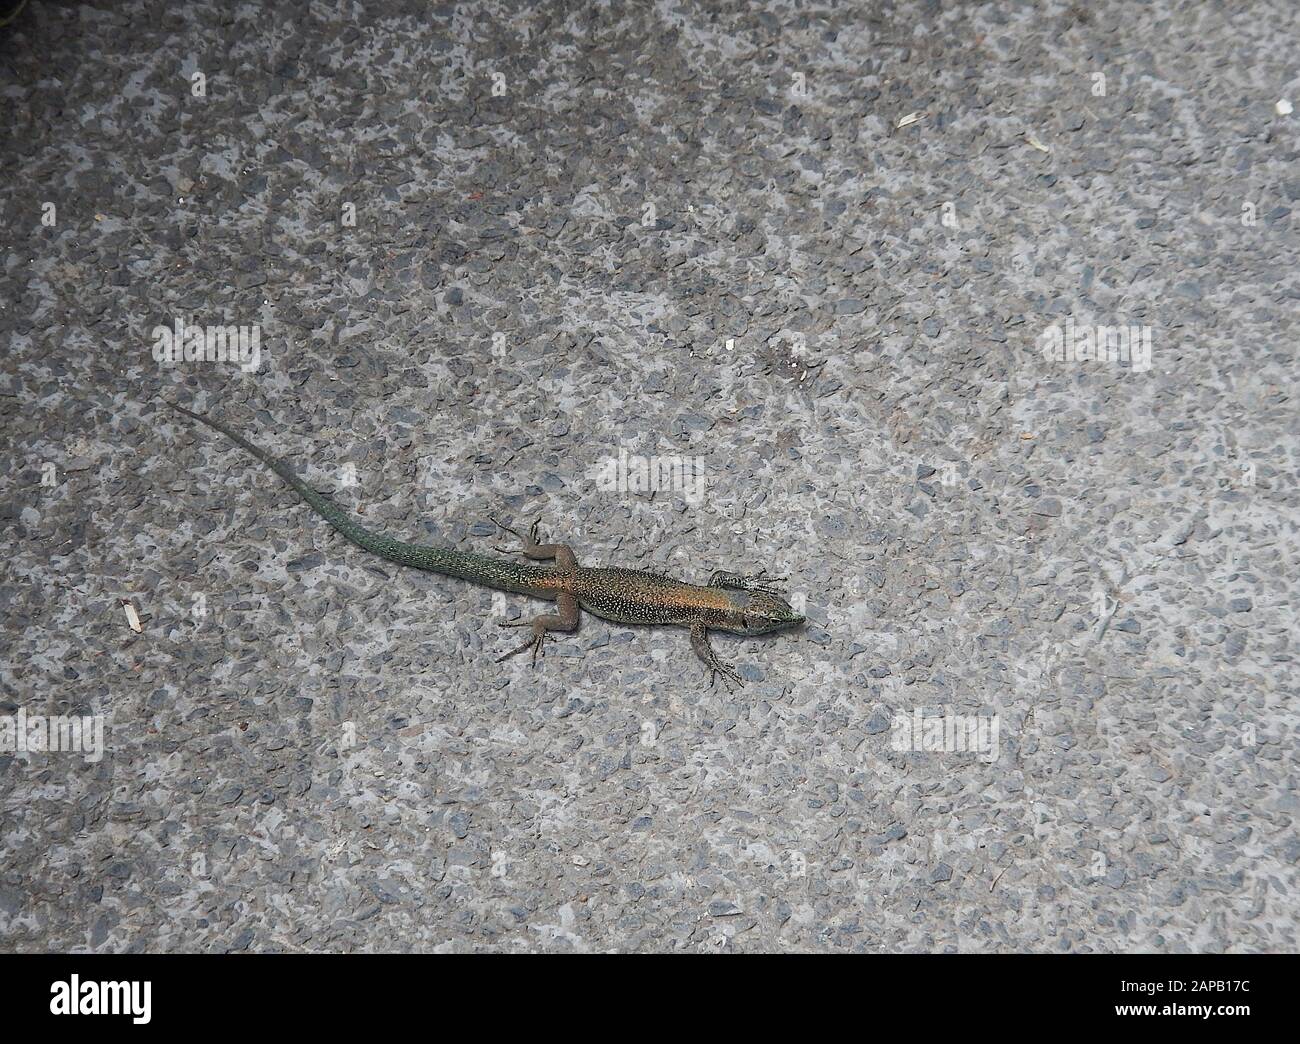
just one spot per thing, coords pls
(758, 612)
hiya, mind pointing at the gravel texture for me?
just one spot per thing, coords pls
(813, 247)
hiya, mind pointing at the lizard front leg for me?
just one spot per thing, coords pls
(759, 581)
(561, 553)
(700, 643)
(565, 620)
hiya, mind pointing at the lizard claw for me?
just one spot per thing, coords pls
(514, 533)
(530, 541)
(503, 528)
(535, 642)
(759, 581)
(727, 672)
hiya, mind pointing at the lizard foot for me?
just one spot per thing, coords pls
(727, 672)
(759, 581)
(565, 620)
(716, 667)
(535, 642)
(530, 541)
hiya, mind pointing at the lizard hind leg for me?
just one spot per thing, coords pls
(565, 620)
(561, 553)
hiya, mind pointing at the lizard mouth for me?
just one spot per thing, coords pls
(767, 624)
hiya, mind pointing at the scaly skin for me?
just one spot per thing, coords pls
(740, 604)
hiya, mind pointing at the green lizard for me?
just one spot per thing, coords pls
(741, 604)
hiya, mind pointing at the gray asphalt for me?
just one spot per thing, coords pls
(813, 260)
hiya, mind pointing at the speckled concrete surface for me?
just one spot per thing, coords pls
(817, 246)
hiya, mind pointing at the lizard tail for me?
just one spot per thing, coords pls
(480, 569)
